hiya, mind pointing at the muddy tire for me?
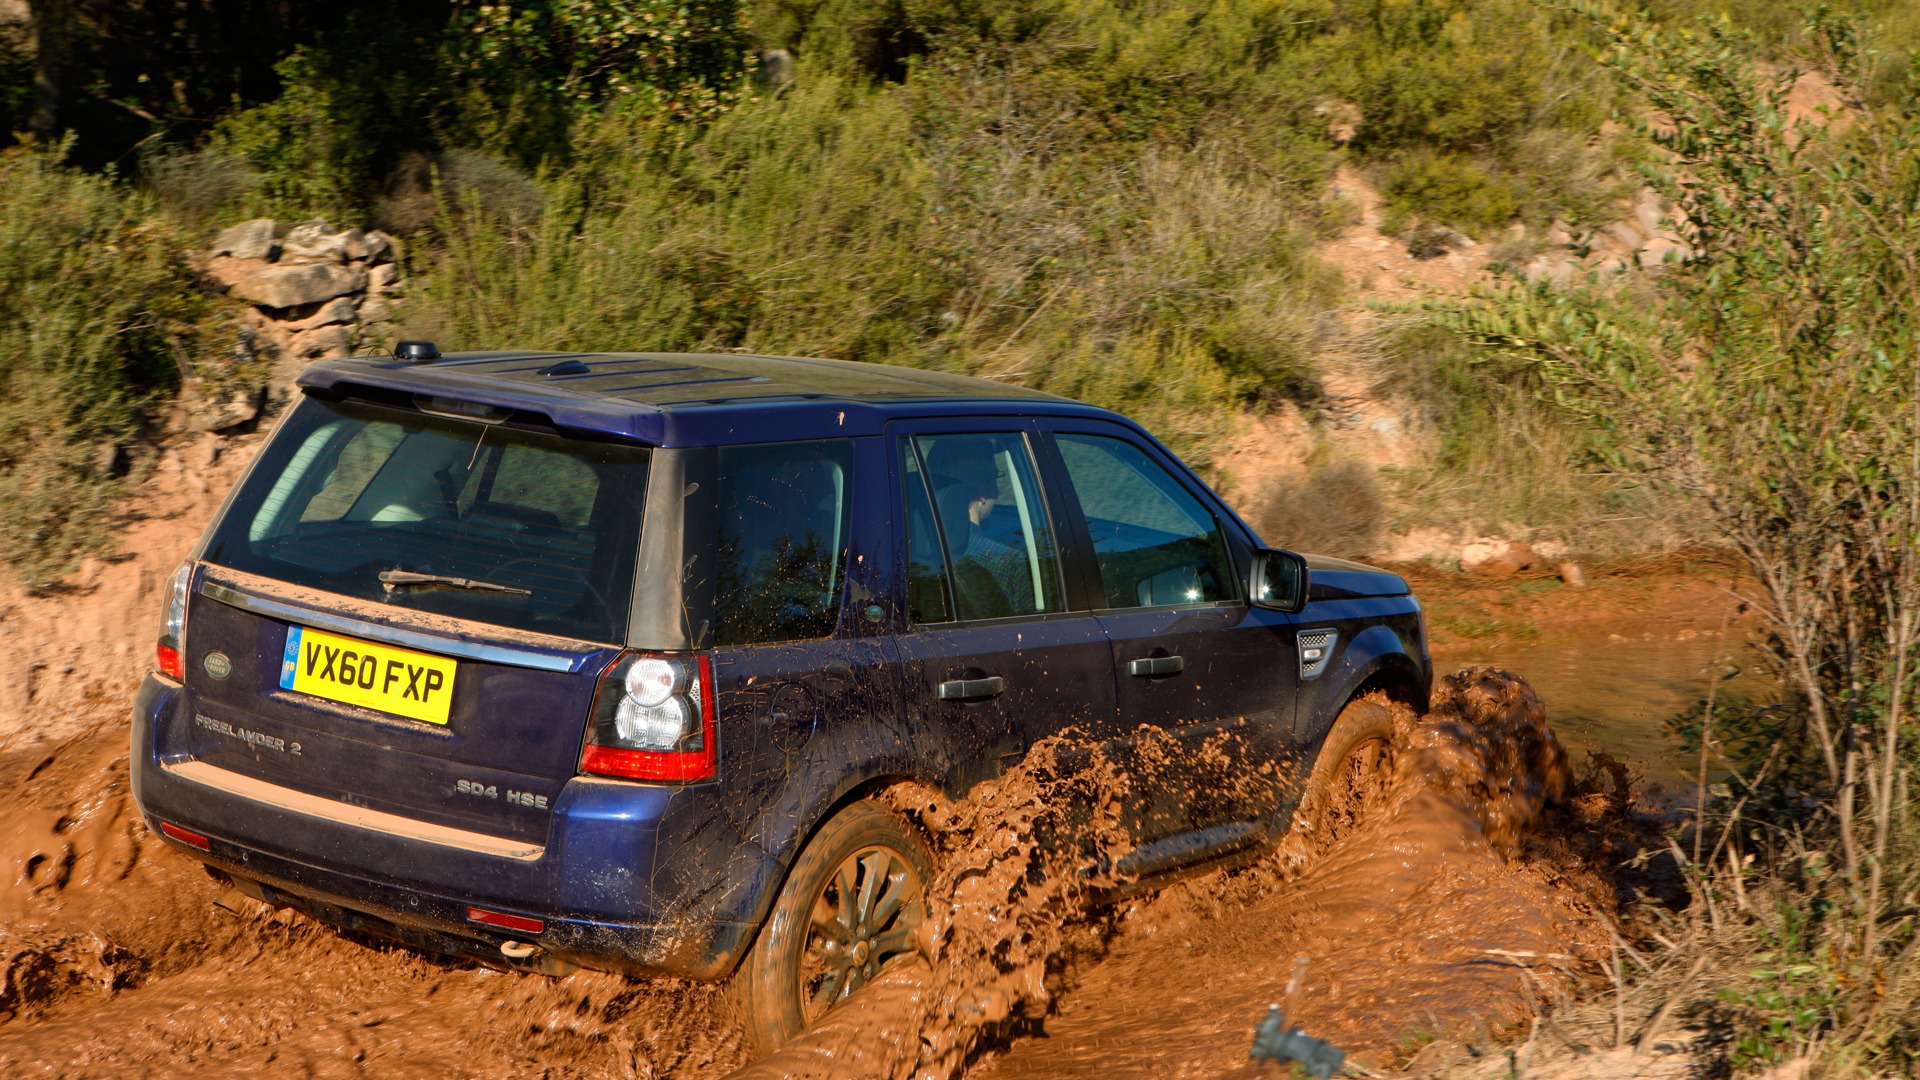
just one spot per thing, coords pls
(855, 897)
(1350, 777)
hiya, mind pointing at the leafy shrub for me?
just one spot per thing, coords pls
(97, 315)
(310, 154)
(1776, 378)
(950, 224)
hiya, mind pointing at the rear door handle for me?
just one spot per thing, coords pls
(972, 689)
(1149, 666)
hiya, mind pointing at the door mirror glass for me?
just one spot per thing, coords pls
(1279, 580)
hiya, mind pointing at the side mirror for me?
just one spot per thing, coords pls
(1279, 580)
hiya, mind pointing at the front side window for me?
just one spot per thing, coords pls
(503, 525)
(781, 540)
(1155, 543)
(1000, 555)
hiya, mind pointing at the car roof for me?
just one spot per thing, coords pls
(670, 399)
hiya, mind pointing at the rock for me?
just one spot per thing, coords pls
(247, 240)
(1649, 211)
(324, 343)
(292, 286)
(1496, 557)
(219, 407)
(382, 276)
(380, 247)
(315, 242)
(1552, 551)
(226, 271)
(337, 310)
(110, 459)
(1571, 573)
(775, 69)
(1432, 241)
(1621, 239)
(1558, 234)
(1660, 251)
(375, 309)
(1554, 266)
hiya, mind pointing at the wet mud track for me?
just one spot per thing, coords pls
(1472, 890)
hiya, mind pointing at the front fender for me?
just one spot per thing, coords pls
(1377, 655)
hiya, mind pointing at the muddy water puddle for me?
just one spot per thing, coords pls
(1613, 689)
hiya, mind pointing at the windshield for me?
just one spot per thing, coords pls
(501, 525)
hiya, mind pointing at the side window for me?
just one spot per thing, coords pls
(1001, 558)
(781, 540)
(1156, 544)
(929, 599)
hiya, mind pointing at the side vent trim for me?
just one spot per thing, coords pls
(1316, 651)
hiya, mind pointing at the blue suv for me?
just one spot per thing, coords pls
(548, 660)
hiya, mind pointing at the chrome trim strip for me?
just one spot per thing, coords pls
(413, 639)
(300, 802)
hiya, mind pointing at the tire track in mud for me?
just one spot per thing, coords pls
(119, 956)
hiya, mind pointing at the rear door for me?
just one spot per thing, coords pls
(804, 668)
(998, 650)
(1206, 681)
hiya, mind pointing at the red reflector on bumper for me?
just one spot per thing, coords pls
(185, 836)
(502, 919)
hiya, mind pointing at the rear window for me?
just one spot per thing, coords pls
(543, 527)
(781, 541)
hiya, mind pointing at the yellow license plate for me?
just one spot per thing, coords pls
(416, 685)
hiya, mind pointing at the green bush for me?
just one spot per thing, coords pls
(97, 314)
(951, 223)
(1776, 378)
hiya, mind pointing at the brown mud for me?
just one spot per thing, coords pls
(1471, 892)
(120, 956)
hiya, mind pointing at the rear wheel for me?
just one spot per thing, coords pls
(855, 898)
(1351, 777)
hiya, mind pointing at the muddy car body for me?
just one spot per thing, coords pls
(554, 659)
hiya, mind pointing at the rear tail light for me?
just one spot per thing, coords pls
(186, 836)
(511, 922)
(173, 628)
(653, 719)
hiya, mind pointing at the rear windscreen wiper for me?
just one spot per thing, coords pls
(393, 578)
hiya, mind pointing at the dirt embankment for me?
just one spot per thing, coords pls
(72, 654)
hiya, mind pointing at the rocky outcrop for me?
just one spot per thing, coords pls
(314, 291)
(308, 292)
(1646, 237)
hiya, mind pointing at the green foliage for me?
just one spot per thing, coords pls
(1777, 378)
(1512, 453)
(96, 312)
(304, 147)
(529, 69)
(1789, 1000)
(977, 220)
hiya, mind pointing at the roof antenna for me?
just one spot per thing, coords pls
(416, 351)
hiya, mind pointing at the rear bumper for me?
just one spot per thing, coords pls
(599, 883)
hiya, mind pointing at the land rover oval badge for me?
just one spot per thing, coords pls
(217, 665)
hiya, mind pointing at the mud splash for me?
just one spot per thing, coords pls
(1456, 902)
(1464, 898)
(1447, 908)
